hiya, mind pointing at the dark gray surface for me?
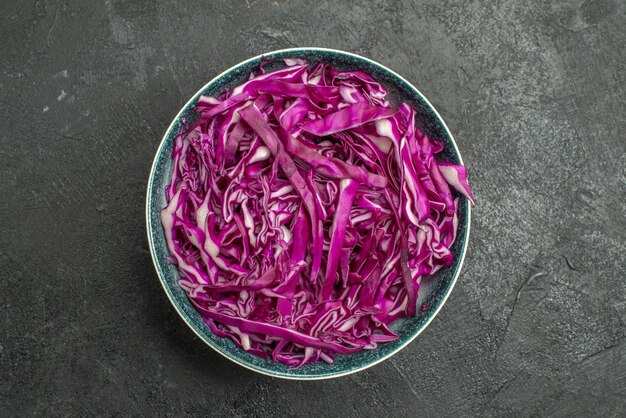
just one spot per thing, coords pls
(534, 95)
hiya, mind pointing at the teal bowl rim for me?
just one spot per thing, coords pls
(293, 374)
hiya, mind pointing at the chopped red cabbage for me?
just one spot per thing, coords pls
(303, 211)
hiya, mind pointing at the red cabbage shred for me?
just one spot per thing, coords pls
(303, 212)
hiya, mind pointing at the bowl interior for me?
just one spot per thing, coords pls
(433, 291)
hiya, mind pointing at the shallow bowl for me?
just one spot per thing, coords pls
(434, 291)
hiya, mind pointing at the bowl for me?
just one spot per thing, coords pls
(434, 291)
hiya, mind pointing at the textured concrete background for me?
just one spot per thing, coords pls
(534, 94)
